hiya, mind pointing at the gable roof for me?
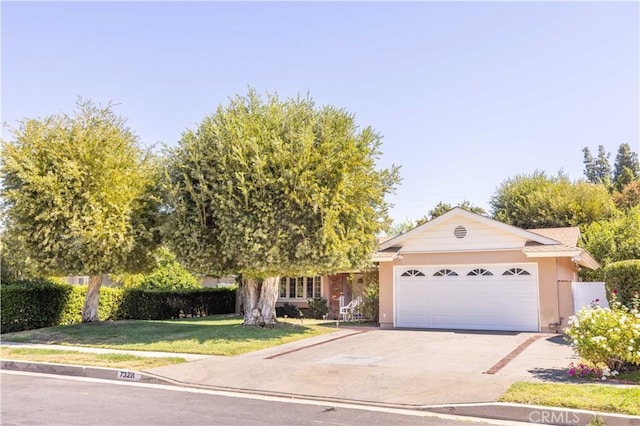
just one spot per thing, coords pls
(457, 211)
(535, 243)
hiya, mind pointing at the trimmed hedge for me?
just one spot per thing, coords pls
(623, 276)
(167, 304)
(34, 304)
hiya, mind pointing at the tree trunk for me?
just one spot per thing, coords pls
(90, 309)
(249, 292)
(259, 301)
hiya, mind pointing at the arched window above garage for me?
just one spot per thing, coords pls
(412, 273)
(479, 272)
(445, 273)
(516, 271)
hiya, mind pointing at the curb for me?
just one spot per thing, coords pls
(532, 414)
(535, 414)
(81, 371)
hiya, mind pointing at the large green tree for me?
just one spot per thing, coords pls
(626, 168)
(80, 196)
(597, 170)
(541, 201)
(615, 239)
(268, 188)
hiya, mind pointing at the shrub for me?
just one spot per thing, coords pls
(167, 274)
(624, 277)
(371, 304)
(289, 310)
(170, 277)
(607, 336)
(318, 307)
(34, 304)
(139, 303)
(31, 304)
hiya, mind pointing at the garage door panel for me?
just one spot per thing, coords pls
(468, 302)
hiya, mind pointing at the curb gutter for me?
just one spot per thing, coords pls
(537, 414)
(494, 410)
(81, 371)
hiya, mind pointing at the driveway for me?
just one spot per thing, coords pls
(401, 367)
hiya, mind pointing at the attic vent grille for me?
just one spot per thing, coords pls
(460, 232)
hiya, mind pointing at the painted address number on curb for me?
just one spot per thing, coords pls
(128, 375)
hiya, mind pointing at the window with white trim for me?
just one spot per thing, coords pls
(412, 273)
(516, 271)
(300, 287)
(445, 273)
(479, 272)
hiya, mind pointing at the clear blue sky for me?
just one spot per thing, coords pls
(466, 94)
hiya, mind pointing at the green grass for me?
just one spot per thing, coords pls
(115, 360)
(630, 376)
(217, 335)
(605, 398)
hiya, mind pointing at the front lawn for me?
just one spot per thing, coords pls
(595, 397)
(217, 335)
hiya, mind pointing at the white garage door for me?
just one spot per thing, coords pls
(471, 297)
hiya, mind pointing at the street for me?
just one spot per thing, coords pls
(32, 399)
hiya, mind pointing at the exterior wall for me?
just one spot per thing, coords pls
(548, 288)
(386, 293)
(84, 280)
(567, 272)
(214, 282)
(549, 271)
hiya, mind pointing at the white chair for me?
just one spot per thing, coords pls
(347, 312)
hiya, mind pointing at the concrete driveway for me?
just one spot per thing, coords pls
(400, 367)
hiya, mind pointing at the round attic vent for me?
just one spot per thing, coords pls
(460, 232)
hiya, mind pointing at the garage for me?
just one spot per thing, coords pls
(469, 297)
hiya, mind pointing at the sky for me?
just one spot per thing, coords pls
(465, 94)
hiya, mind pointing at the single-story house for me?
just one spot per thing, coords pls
(462, 270)
(297, 290)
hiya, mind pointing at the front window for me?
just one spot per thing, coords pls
(300, 287)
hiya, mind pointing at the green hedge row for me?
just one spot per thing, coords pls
(623, 276)
(165, 304)
(40, 303)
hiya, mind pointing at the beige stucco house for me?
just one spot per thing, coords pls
(466, 271)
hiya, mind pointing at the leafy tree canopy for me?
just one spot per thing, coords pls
(541, 201)
(616, 239)
(597, 170)
(266, 188)
(626, 168)
(629, 196)
(441, 208)
(78, 193)
(167, 274)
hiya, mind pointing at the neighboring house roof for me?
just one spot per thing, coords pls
(569, 236)
(491, 235)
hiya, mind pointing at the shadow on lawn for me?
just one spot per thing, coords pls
(550, 374)
(141, 332)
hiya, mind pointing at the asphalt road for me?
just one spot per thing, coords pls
(31, 399)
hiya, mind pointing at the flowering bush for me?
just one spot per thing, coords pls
(607, 336)
(584, 371)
